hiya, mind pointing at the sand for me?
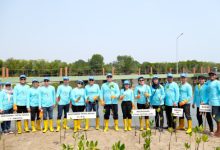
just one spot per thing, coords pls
(51, 140)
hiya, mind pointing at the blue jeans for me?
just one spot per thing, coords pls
(216, 113)
(60, 110)
(6, 125)
(49, 111)
(93, 106)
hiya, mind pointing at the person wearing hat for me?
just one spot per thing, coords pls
(213, 90)
(34, 105)
(6, 106)
(109, 99)
(201, 97)
(127, 97)
(171, 100)
(20, 97)
(47, 104)
(142, 93)
(157, 101)
(92, 92)
(63, 97)
(78, 102)
(185, 100)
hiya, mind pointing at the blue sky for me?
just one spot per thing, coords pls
(75, 29)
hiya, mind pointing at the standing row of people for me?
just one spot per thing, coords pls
(43, 99)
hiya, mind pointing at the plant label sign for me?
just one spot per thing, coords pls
(11, 117)
(143, 112)
(205, 108)
(81, 115)
(177, 112)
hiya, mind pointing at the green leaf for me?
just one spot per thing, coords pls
(205, 138)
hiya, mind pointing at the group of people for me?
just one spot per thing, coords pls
(41, 100)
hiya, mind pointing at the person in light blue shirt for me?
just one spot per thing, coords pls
(109, 98)
(127, 98)
(78, 98)
(171, 89)
(213, 90)
(6, 106)
(201, 97)
(34, 105)
(142, 93)
(63, 96)
(20, 97)
(185, 100)
(157, 101)
(92, 92)
(47, 103)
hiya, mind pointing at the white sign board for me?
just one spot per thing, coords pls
(205, 108)
(143, 112)
(177, 112)
(19, 116)
(81, 115)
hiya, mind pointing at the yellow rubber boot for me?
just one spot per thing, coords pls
(75, 122)
(129, 124)
(79, 124)
(181, 125)
(189, 130)
(97, 123)
(58, 125)
(141, 124)
(19, 127)
(51, 125)
(125, 124)
(87, 124)
(33, 126)
(45, 126)
(65, 126)
(38, 127)
(106, 125)
(26, 126)
(147, 124)
(116, 124)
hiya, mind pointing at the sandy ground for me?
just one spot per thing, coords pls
(36, 141)
(49, 140)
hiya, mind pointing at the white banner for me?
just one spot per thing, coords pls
(81, 115)
(177, 112)
(18, 116)
(143, 112)
(205, 108)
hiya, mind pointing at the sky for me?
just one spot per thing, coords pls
(70, 30)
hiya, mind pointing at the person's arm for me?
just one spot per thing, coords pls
(58, 93)
(102, 95)
(1, 103)
(54, 96)
(117, 94)
(15, 95)
(194, 97)
(28, 99)
(177, 94)
(162, 93)
(190, 94)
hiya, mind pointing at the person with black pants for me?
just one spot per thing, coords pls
(200, 97)
(157, 101)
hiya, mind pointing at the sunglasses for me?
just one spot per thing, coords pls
(91, 80)
(80, 83)
(46, 80)
(141, 80)
(109, 76)
(22, 79)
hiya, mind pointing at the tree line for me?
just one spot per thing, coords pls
(122, 65)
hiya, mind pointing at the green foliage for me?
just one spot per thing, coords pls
(187, 145)
(147, 139)
(81, 143)
(118, 146)
(96, 63)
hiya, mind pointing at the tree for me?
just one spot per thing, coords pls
(126, 64)
(96, 63)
